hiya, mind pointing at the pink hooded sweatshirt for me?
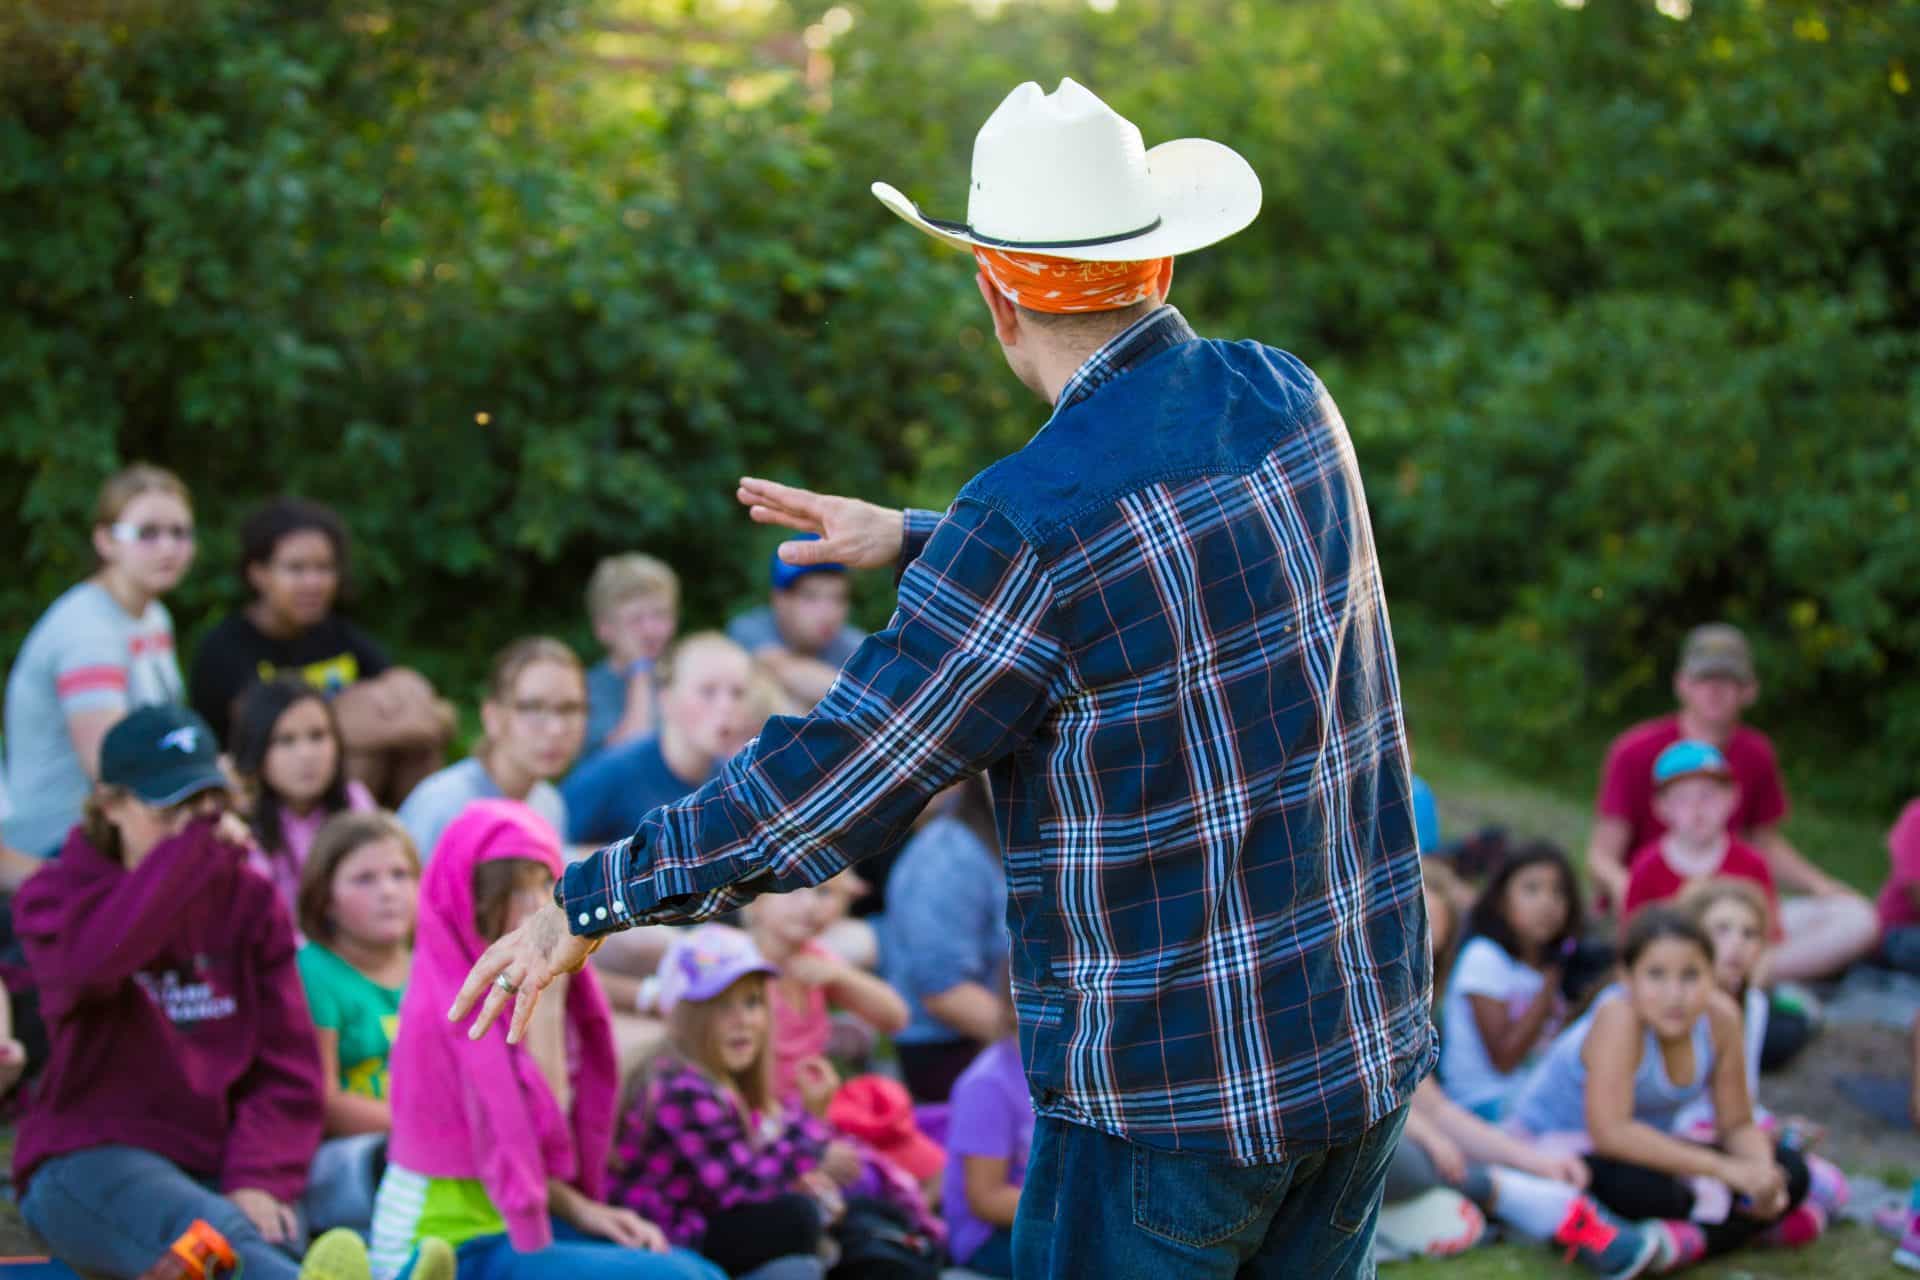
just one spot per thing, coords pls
(481, 1108)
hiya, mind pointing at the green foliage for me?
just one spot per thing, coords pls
(1622, 308)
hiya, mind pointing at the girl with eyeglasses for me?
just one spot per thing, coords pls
(535, 718)
(104, 648)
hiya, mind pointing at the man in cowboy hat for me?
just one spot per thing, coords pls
(1160, 627)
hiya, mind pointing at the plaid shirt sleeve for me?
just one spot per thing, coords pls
(965, 672)
(916, 527)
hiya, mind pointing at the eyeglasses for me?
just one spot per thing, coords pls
(562, 712)
(148, 534)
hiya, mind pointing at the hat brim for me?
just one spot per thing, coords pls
(165, 792)
(915, 1152)
(1204, 192)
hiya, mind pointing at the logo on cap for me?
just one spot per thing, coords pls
(184, 739)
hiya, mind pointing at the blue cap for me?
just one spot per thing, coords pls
(783, 575)
(163, 754)
(1690, 759)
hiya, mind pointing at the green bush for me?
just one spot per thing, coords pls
(1622, 307)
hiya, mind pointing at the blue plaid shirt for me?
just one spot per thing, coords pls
(1160, 627)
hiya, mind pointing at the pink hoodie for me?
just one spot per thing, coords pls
(482, 1109)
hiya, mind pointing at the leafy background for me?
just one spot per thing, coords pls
(1621, 301)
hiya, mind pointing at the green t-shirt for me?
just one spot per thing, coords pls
(365, 1014)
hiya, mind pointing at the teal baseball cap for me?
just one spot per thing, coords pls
(1689, 758)
(163, 755)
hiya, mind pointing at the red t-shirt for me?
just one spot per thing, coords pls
(1651, 878)
(1903, 844)
(1626, 784)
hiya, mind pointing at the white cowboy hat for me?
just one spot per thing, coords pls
(1063, 174)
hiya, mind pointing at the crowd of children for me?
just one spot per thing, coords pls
(232, 930)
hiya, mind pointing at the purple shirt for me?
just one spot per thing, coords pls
(991, 1115)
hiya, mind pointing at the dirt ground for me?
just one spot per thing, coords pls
(1855, 1141)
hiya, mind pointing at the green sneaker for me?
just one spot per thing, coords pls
(337, 1255)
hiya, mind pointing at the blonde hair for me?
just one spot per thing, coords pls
(633, 576)
(123, 486)
(343, 835)
(684, 648)
(693, 1034)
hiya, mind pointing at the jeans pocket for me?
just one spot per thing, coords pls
(1198, 1201)
(1366, 1160)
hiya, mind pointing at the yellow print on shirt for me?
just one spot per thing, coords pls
(369, 1079)
(330, 675)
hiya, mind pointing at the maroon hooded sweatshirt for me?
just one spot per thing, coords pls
(177, 1020)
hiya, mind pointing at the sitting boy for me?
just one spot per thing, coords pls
(634, 602)
(801, 636)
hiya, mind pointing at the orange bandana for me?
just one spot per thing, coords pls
(1059, 286)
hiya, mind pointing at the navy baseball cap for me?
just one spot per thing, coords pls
(783, 575)
(163, 755)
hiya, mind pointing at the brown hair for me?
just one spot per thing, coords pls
(94, 823)
(692, 1032)
(130, 482)
(1447, 887)
(1708, 894)
(343, 835)
(633, 576)
(494, 884)
(512, 661)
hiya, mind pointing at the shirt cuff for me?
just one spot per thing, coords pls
(915, 528)
(595, 894)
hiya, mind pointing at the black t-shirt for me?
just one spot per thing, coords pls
(236, 655)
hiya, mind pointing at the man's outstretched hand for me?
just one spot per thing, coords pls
(530, 958)
(853, 533)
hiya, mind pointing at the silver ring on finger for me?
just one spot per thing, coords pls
(506, 984)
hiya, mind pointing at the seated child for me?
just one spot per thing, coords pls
(184, 1081)
(1737, 919)
(288, 753)
(1614, 1084)
(633, 601)
(501, 1149)
(1503, 999)
(809, 982)
(1536, 1194)
(359, 893)
(989, 1133)
(705, 1148)
(1899, 905)
(1693, 794)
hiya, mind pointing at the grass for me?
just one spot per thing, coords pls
(1849, 1251)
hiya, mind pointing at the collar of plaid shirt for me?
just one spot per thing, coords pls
(1139, 342)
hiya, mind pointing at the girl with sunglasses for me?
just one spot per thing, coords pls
(102, 649)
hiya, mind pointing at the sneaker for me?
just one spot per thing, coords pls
(1827, 1186)
(1802, 1225)
(1604, 1244)
(433, 1260)
(1908, 1254)
(1435, 1224)
(337, 1255)
(1681, 1244)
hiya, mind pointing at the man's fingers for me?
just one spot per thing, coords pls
(523, 1003)
(802, 502)
(761, 514)
(496, 1001)
(489, 966)
(823, 551)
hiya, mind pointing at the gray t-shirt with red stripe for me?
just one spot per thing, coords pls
(86, 653)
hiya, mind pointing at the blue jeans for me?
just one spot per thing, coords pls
(1096, 1205)
(341, 1183)
(575, 1256)
(995, 1257)
(114, 1210)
